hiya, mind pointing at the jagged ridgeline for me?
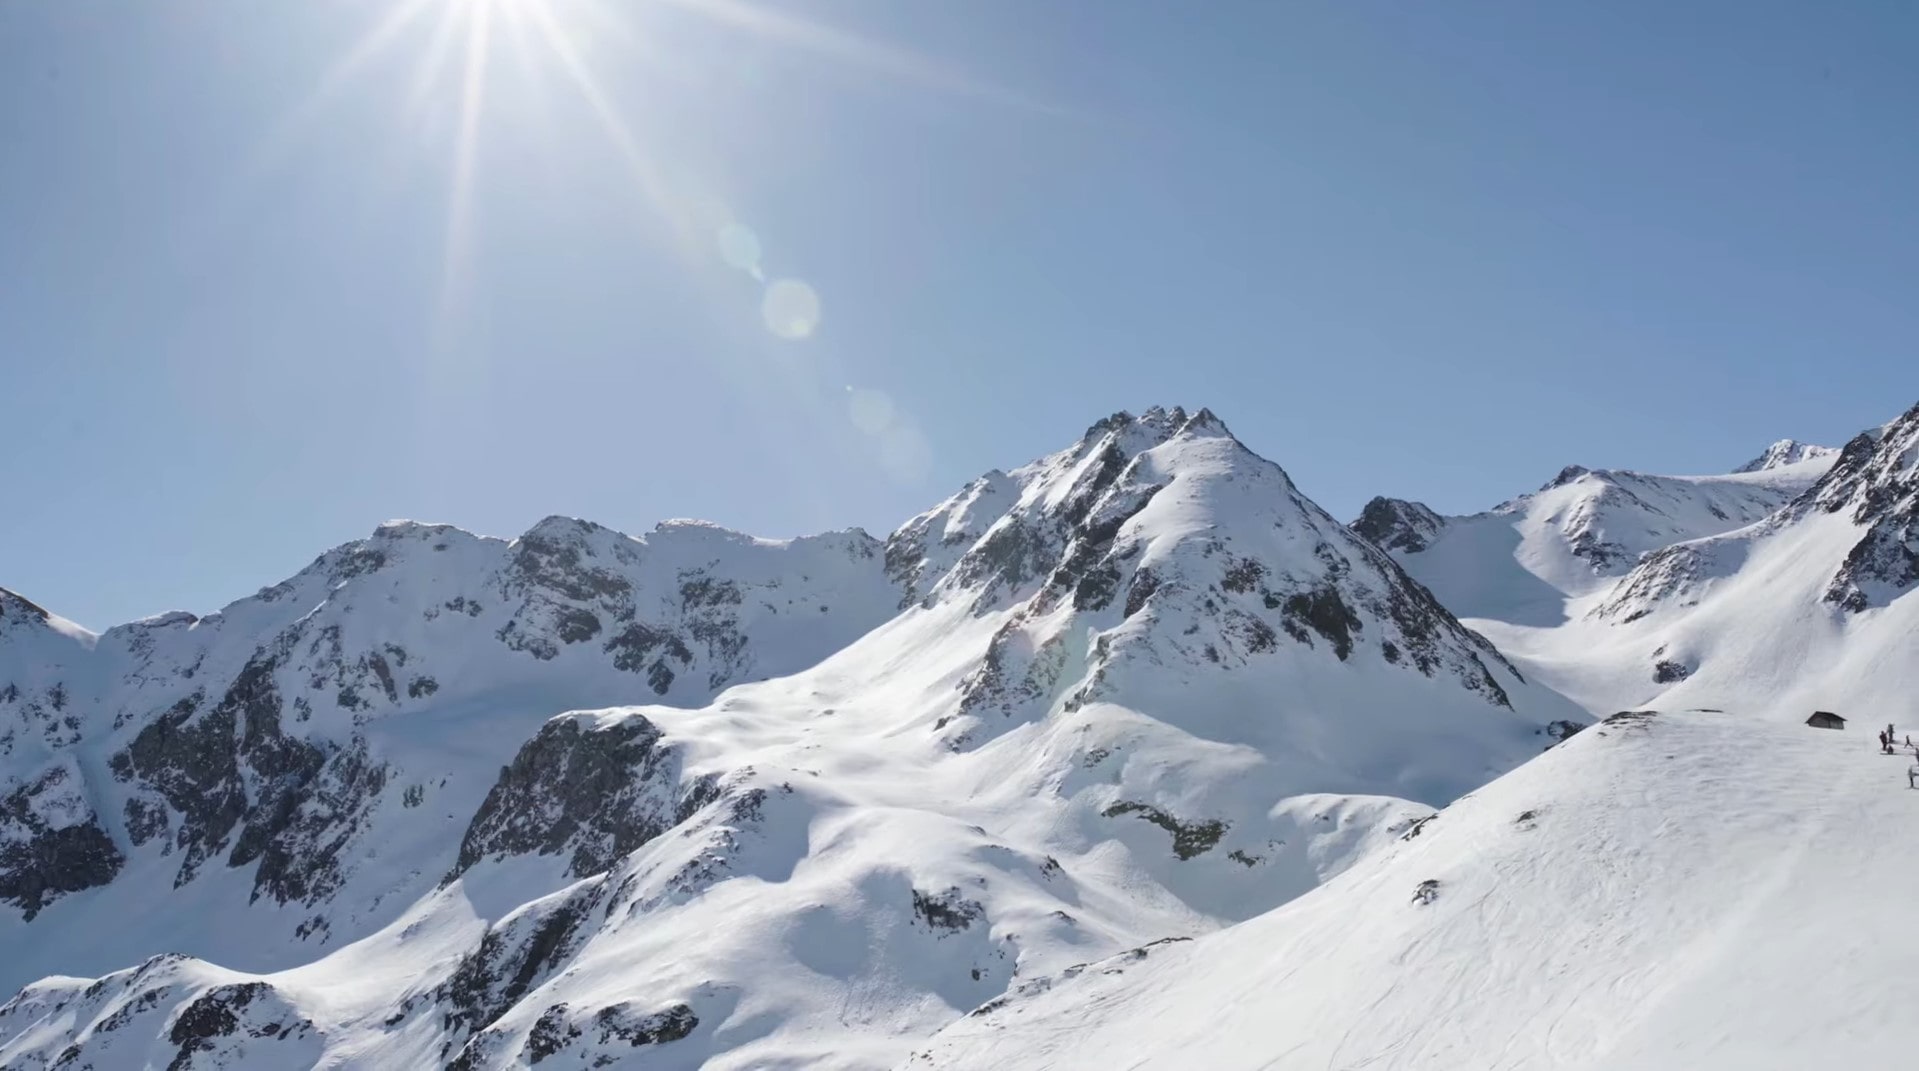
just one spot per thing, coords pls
(399, 809)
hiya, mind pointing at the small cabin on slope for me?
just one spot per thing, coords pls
(1826, 719)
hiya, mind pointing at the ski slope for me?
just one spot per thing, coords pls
(1688, 890)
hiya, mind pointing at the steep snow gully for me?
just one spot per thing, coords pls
(1130, 756)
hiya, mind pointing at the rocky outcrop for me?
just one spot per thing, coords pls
(1398, 526)
(589, 789)
(51, 842)
(1875, 482)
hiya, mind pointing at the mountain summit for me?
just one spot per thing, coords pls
(397, 810)
(1787, 452)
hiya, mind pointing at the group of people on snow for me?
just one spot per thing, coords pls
(1887, 741)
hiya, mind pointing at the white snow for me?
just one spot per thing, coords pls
(1521, 561)
(1692, 891)
(1132, 752)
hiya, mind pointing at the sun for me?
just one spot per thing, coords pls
(464, 40)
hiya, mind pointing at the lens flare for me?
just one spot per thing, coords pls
(791, 309)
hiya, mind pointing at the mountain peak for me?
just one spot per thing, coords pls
(1160, 421)
(1395, 524)
(1786, 452)
(14, 604)
(1566, 476)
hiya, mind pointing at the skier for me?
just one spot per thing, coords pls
(1912, 775)
(1882, 743)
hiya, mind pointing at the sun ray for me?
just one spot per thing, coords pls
(286, 131)
(851, 48)
(433, 63)
(459, 221)
(653, 185)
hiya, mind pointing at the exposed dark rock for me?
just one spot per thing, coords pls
(1396, 525)
(576, 625)
(1243, 576)
(1566, 476)
(699, 590)
(654, 1028)
(948, 910)
(1326, 613)
(38, 862)
(1666, 671)
(1564, 730)
(1418, 826)
(224, 1012)
(565, 563)
(193, 765)
(300, 848)
(595, 793)
(512, 957)
(635, 644)
(551, 1033)
(1143, 585)
(1189, 838)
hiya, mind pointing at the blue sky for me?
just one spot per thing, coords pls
(270, 275)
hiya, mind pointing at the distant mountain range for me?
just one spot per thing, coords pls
(695, 799)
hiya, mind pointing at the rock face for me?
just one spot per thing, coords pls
(257, 738)
(1140, 687)
(51, 842)
(593, 792)
(1875, 483)
(1398, 526)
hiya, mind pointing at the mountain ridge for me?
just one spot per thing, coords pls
(1141, 685)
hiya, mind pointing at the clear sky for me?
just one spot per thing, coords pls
(273, 272)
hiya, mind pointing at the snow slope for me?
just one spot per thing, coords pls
(1677, 890)
(273, 761)
(1522, 560)
(1139, 687)
(1812, 607)
(1695, 886)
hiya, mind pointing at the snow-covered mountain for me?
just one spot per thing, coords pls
(1706, 891)
(1812, 605)
(1679, 887)
(390, 813)
(1524, 559)
(1787, 452)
